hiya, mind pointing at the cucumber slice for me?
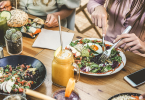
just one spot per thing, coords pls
(5, 14)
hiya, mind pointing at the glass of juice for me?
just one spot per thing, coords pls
(3, 28)
(63, 69)
(60, 95)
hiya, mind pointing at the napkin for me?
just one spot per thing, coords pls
(51, 39)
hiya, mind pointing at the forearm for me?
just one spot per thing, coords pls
(64, 12)
(92, 4)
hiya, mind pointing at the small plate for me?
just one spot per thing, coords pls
(129, 94)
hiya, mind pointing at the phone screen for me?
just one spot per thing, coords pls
(137, 77)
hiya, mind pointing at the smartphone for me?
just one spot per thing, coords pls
(137, 78)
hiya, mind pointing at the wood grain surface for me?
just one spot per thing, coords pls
(88, 87)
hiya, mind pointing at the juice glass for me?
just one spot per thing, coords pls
(3, 28)
(60, 95)
(63, 69)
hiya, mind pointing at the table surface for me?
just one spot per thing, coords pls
(88, 87)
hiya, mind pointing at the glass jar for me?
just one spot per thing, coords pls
(3, 28)
(15, 97)
(14, 48)
(63, 69)
(60, 95)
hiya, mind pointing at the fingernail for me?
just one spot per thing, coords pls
(140, 97)
(46, 22)
(103, 34)
(114, 41)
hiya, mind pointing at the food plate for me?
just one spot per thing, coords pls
(21, 59)
(122, 64)
(128, 94)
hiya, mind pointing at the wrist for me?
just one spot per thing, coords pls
(142, 50)
(98, 7)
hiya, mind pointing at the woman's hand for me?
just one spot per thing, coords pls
(130, 42)
(141, 97)
(99, 18)
(52, 20)
(5, 5)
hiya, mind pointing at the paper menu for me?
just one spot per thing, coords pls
(51, 39)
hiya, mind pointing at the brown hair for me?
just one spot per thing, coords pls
(140, 8)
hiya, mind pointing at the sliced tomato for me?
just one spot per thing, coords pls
(21, 89)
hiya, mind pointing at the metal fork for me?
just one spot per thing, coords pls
(107, 53)
(103, 43)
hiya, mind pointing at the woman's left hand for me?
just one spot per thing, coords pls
(130, 42)
(51, 20)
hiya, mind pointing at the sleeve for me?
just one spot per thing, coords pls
(71, 4)
(92, 4)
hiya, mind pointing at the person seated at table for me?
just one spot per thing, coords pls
(46, 9)
(122, 13)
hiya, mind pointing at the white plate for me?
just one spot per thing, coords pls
(110, 72)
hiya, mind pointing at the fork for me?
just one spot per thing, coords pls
(103, 43)
(107, 53)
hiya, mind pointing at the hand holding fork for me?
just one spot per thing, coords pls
(107, 53)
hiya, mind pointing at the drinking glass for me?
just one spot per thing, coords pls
(60, 95)
(3, 28)
(14, 48)
(63, 69)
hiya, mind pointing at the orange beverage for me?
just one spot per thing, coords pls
(62, 68)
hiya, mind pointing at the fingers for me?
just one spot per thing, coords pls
(51, 21)
(99, 21)
(104, 24)
(6, 8)
(3, 4)
(142, 96)
(125, 40)
(93, 19)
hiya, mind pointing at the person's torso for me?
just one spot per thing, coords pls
(38, 9)
(122, 22)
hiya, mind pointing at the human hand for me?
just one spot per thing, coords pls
(99, 18)
(51, 20)
(130, 42)
(5, 5)
(142, 97)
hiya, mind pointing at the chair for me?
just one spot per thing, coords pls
(82, 9)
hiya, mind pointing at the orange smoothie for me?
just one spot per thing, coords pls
(62, 68)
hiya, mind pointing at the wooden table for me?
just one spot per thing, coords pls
(89, 87)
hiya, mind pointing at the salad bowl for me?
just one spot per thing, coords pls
(16, 60)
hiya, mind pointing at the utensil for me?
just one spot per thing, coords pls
(22, 59)
(103, 43)
(60, 32)
(107, 53)
(37, 95)
(1, 52)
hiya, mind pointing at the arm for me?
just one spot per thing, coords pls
(98, 14)
(64, 12)
(92, 4)
(52, 21)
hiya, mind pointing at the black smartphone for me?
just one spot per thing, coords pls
(137, 78)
